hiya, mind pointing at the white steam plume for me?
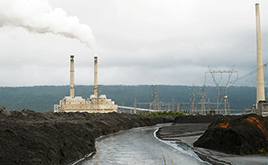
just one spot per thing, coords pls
(38, 16)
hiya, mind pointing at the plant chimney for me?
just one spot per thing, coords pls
(260, 79)
(72, 76)
(96, 89)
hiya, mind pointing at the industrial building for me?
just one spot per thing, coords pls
(94, 104)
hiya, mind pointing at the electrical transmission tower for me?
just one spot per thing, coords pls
(193, 99)
(222, 95)
(203, 100)
(155, 101)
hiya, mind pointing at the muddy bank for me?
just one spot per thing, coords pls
(181, 131)
(29, 137)
(175, 131)
(245, 135)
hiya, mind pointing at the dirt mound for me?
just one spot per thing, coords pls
(244, 135)
(199, 118)
(29, 137)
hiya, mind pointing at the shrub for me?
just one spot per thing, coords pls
(144, 113)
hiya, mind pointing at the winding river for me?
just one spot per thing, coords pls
(139, 146)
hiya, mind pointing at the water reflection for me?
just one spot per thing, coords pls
(137, 147)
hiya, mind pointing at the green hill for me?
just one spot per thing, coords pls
(43, 98)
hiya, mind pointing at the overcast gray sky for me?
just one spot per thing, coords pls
(137, 41)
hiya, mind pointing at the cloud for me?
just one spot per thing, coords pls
(37, 16)
(142, 42)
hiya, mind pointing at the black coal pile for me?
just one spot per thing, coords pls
(29, 137)
(243, 136)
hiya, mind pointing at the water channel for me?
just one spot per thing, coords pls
(139, 146)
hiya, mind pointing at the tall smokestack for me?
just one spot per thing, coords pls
(72, 76)
(96, 89)
(260, 79)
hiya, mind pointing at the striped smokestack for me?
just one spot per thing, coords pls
(260, 79)
(96, 89)
(72, 76)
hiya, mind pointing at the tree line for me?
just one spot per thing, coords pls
(43, 98)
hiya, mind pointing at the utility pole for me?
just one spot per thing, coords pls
(135, 106)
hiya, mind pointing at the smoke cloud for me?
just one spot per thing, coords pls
(37, 16)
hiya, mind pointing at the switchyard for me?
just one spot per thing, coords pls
(200, 106)
(222, 104)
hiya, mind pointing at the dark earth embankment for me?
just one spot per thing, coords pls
(29, 137)
(243, 135)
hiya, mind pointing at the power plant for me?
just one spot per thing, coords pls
(94, 104)
(100, 104)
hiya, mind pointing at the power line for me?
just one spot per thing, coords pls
(250, 73)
